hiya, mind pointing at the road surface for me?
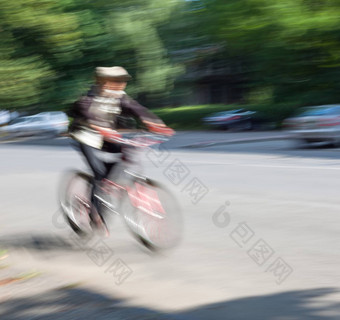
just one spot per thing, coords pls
(261, 238)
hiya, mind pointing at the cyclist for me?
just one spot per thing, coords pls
(96, 117)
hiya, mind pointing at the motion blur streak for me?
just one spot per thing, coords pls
(252, 89)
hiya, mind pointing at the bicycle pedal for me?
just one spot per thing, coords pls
(100, 227)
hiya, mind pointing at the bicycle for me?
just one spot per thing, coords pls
(149, 210)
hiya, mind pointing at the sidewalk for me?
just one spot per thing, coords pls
(33, 295)
(182, 139)
(205, 139)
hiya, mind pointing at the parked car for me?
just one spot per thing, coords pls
(5, 117)
(239, 119)
(316, 124)
(57, 121)
(53, 123)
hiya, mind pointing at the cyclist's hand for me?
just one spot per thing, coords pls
(159, 128)
(107, 133)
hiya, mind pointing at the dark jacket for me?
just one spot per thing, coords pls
(105, 112)
(84, 114)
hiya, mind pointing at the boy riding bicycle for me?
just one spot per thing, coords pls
(96, 117)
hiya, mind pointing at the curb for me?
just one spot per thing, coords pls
(234, 141)
(9, 140)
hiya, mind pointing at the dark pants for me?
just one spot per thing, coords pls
(100, 168)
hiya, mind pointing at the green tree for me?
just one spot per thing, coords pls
(287, 47)
(48, 49)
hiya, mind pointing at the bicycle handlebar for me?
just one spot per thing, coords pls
(141, 139)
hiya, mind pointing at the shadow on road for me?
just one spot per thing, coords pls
(288, 305)
(77, 303)
(41, 242)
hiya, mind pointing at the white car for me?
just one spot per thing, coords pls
(53, 123)
(5, 117)
(316, 124)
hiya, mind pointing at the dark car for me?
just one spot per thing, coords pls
(238, 119)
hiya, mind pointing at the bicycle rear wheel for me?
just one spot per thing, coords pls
(75, 201)
(152, 214)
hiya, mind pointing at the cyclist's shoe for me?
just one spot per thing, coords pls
(97, 223)
(100, 228)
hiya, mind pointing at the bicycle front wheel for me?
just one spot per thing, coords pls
(152, 214)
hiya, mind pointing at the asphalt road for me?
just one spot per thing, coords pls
(261, 237)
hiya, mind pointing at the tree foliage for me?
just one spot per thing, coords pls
(288, 47)
(49, 49)
(286, 51)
